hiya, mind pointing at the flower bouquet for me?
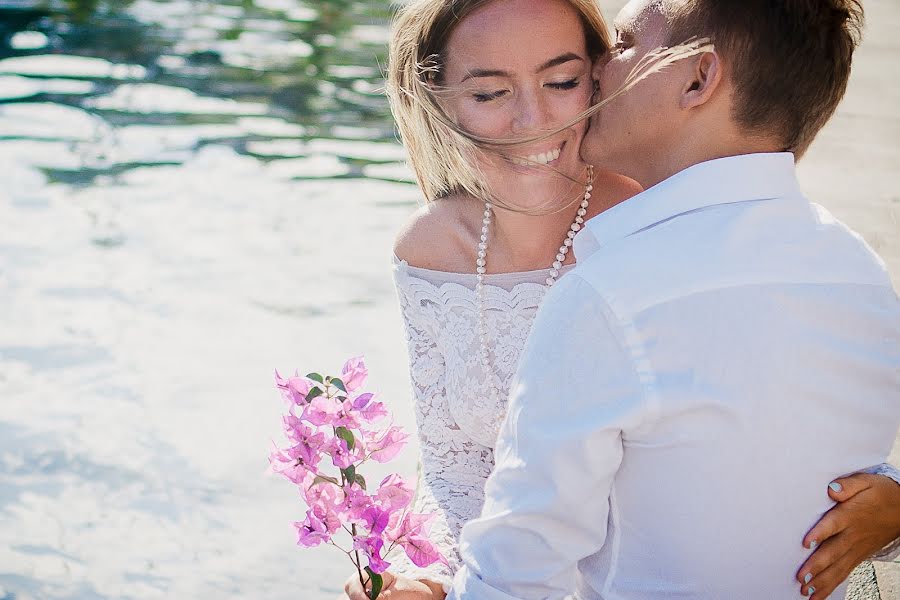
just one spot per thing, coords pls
(333, 428)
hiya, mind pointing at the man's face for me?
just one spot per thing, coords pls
(632, 128)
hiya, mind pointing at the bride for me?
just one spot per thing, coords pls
(473, 265)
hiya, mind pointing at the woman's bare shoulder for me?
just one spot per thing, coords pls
(438, 236)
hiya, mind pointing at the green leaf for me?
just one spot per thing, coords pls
(339, 384)
(316, 377)
(346, 435)
(349, 473)
(360, 481)
(377, 584)
(326, 479)
(313, 394)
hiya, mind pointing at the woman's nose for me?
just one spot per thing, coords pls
(532, 113)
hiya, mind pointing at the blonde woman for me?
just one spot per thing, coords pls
(473, 265)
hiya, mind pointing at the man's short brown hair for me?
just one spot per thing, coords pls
(789, 60)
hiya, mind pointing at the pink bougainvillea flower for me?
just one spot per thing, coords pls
(294, 389)
(376, 519)
(412, 525)
(299, 433)
(368, 409)
(394, 493)
(321, 411)
(385, 446)
(422, 552)
(372, 546)
(344, 416)
(314, 529)
(354, 373)
(294, 463)
(321, 493)
(341, 455)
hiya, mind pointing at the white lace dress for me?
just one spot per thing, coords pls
(456, 416)
(457, 419)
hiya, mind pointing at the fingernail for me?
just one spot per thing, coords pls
(808, 578)
(836, 487)
(814, 543)
(810, 591)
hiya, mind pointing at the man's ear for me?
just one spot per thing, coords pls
(705, 79)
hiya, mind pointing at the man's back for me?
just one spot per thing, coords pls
(723, 350)
(773, 337)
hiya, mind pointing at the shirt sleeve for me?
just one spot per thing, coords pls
(892, 551)
(577, 393)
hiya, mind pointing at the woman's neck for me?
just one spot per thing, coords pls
(521, 242)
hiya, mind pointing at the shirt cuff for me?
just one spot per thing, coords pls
(891, 551)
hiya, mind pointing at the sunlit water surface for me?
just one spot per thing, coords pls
(193, 194)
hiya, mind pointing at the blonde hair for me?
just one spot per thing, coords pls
(442, 154)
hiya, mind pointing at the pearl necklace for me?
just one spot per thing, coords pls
(481, 270)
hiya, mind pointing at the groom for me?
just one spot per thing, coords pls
(723, 346)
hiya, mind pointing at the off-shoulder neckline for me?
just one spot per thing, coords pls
(400, 263)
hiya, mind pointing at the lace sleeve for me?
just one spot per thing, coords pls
(453, 468)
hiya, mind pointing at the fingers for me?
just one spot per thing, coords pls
(828, 526)
(354, 589)
(823, 584)
(844, 488)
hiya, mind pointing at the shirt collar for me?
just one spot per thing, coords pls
(745, 178)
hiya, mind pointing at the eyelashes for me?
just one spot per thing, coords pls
(570, 84)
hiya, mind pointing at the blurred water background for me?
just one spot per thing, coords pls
(195, 192)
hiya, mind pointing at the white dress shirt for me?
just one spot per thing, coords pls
(723, 350)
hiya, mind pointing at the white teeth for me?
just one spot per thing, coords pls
(540, 159)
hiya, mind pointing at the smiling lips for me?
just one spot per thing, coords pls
(539, 159)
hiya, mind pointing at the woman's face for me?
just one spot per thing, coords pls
(515, 69)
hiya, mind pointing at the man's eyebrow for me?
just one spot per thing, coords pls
(559, 60)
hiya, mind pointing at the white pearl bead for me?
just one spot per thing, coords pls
(568, 243)
(579, 220)
(554, 273)
(557, 265)
(588, 196)
(481, 270)
(570, 235)
(482, 253)
(550, 281)
(561, 256)
(564, 250)
(576, 227)
(581, 212)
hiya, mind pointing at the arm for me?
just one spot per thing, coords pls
(865, 522)
(547, 501)
(890, 504)
(453, 467)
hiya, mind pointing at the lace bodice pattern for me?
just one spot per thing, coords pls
(457, 419)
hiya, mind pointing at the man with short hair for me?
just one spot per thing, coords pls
(723, 345)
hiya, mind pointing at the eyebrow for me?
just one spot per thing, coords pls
(553, 62)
